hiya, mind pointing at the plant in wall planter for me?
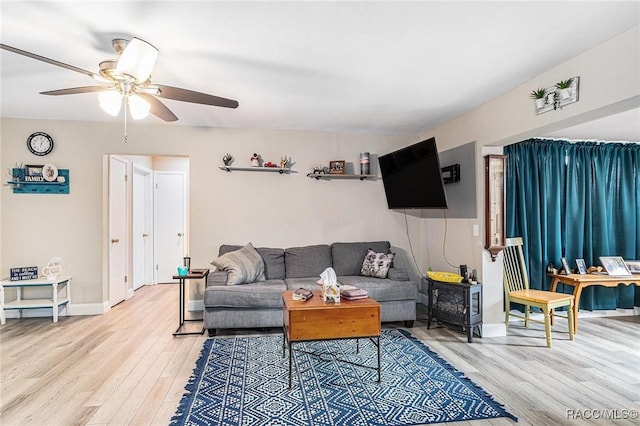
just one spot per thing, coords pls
(564, 87)
(539, 96)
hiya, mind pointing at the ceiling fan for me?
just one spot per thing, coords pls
(129, 83)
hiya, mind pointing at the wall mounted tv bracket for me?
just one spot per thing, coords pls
(451, 174)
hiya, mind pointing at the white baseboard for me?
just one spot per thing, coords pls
(195, 306)
(423, 299)
(90, 308)
(494, 330)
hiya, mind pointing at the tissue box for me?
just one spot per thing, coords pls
(331, 293)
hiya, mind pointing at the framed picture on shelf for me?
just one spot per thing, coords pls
(336, 167)
(33, 170)
(615, 266)
(582, 267)
(565, 266)
(633, 266)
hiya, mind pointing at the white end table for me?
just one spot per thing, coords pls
(56, 300)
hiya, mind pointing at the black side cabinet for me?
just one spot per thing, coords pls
(457, 304)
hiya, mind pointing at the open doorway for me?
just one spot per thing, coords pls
(151, 217)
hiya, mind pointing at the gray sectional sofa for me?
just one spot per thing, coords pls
(259, 304)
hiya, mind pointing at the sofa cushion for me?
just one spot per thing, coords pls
(376, 264)
(308, 261)
(273, 262)
(273, 259)
(348, 257)
(398, 274)
(310, 283)
(265, 294)
(383, 290)
(244, 265)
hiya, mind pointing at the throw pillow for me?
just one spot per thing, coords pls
(243, 265)
(376, 264)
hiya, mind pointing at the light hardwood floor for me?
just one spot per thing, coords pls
(126, 368)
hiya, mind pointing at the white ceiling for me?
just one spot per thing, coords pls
(350, 66)
(621, 127)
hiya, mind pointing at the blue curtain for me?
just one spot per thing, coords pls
(575, 200)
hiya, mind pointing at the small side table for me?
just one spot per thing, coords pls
(193, 274)
(21, 303)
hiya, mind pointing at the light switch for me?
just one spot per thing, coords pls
(476, 231)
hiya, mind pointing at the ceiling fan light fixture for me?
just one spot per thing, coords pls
(110, 102)
(137, 60)
(129, 77)
(139, 107)
(119, 44)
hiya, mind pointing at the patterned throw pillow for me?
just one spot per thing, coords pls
(376, 264)
(243, 265)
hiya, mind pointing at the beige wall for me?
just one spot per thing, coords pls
(609, 83)
(266, 209)
(274, 210)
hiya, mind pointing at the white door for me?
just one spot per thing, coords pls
(142, 200)
(118, 240)
(170, 200)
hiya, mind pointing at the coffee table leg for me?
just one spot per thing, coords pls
(290, 365)
(378, 359)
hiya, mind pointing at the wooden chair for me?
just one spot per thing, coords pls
(516, 289)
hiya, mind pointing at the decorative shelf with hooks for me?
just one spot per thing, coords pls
(21, 184)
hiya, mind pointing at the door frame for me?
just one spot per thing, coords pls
(106, 218)
(145, 173)
(128, 293)
(185, 224)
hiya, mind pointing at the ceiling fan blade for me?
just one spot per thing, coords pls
(77, 90)
(185, 95)
(50, 61)
(158, 109)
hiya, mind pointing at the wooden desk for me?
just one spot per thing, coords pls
(317, 320)
(580, 281)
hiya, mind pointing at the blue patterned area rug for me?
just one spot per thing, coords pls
(244, 381)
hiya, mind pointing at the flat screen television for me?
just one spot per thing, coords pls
(412, 177)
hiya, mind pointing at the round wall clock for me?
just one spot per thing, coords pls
(40, 143)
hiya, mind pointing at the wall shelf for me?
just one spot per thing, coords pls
(328, 176)
(20, 186)
(255, 169)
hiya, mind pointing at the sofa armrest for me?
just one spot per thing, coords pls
(398, 274)
(217, 278)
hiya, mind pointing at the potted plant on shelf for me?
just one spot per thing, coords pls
(565, 88)
(539, 96)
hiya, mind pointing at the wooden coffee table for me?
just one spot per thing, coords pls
(317, 320)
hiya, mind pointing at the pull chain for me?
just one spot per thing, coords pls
(125, 120)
